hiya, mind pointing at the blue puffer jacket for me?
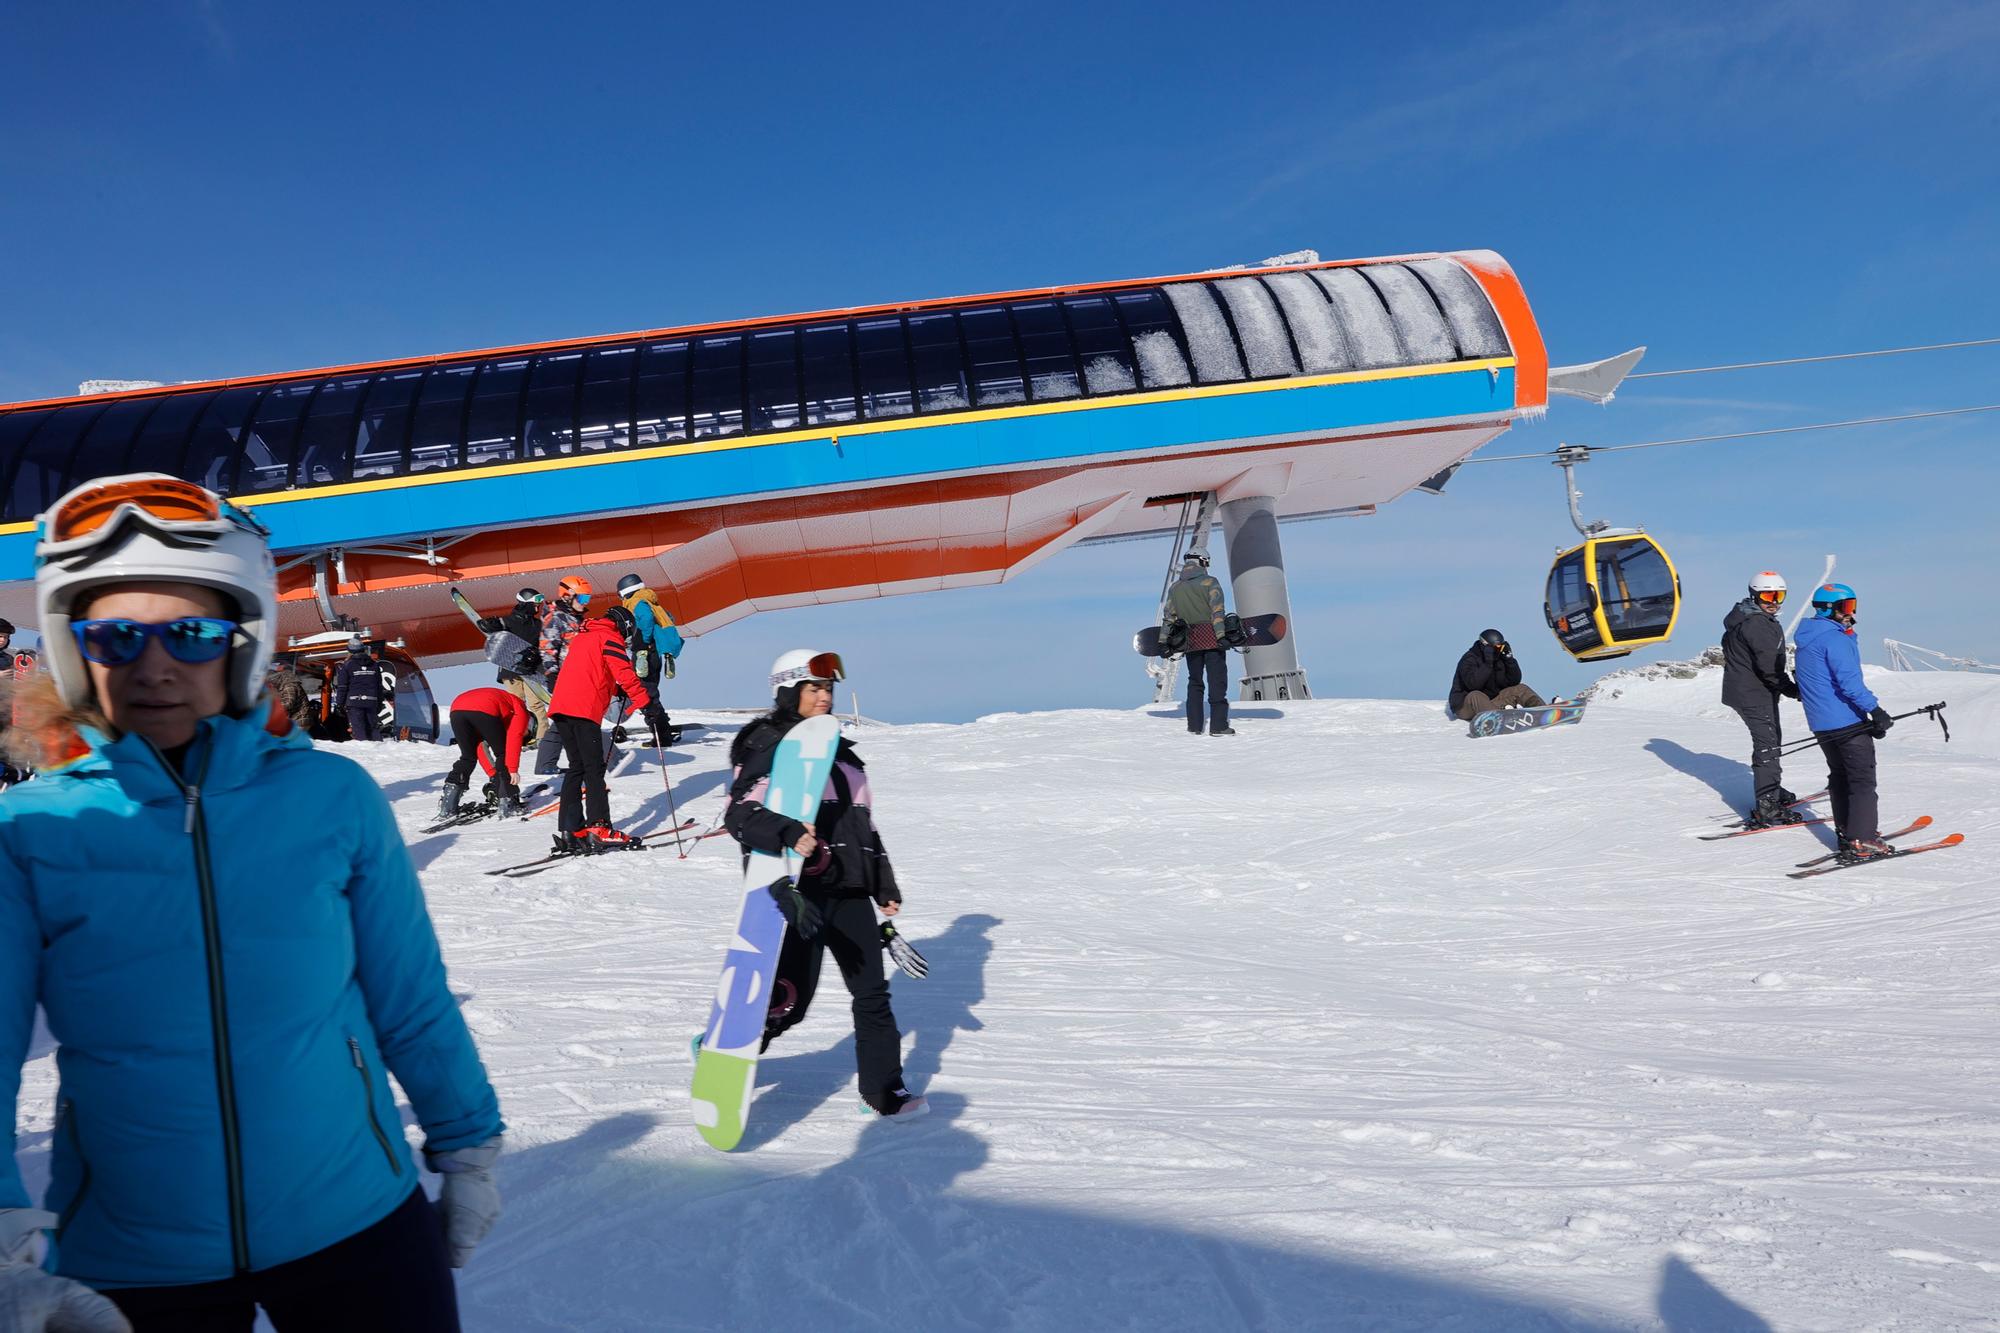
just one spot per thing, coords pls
(229, 967)
(1828, 671)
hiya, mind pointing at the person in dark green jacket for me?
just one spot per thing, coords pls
(1195, 610)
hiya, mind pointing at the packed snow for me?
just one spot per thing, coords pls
(1349, 1021)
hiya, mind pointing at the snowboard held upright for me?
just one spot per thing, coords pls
(725, 1069)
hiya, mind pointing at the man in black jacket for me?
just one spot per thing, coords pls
(1753, 676)
(1488, 677)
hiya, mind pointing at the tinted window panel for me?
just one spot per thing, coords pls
(327, 437)
(663, 392)
(164, 437)
(885, 367)
(384, 428)
(1416, 313)
(548, 427)
(15, 430)
(218, 437)
(937, 362)
(1100, 344)
(1474, 326)
(495, 412)
(774, 380)
(1046, 357)
(829, 379)
(1260, 329)
(1150, 323)
(606, 419)
(718, 386)
(103, 448)
(437, 432)
(38, 476)
(996, 362)
(266, 464)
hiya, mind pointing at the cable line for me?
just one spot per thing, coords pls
(1748, 434)
(1804, 360)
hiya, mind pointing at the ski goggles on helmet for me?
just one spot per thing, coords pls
(1846, 606)
(1770, 596)
(171, 508)
(824, 667)
(191, 639)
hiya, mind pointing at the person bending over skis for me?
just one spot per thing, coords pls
(221, 982)
(485, 722)
(846, 877)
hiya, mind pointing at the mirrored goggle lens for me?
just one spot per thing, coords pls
(1772, 598)
(826, 666)
(193, 639)
(1847, 607)
(168, 501)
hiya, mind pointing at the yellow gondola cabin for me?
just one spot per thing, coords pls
(1617, 592)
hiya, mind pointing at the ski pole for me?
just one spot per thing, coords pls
(1936, 711)
(672, 815)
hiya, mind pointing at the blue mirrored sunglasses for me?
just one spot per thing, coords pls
(191, 639)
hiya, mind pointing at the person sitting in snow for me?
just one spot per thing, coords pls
(1487, 678)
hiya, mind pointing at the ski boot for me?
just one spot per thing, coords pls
(619, 735)
(1770, 813)
(604, 838)
(1222, 731)
(571, 844)
(448, 800)
(509, 803)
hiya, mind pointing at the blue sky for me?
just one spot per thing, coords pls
(199, 190)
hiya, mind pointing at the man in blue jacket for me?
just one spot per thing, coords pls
(1844, 715)
(655, 644)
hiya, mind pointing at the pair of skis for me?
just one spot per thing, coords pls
(542, 863)
(1831, 861)
(472, 814)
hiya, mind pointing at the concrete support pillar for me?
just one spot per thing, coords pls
(1257, 585)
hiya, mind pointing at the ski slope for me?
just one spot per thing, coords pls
(1348, 1022)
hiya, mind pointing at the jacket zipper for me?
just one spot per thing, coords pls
(68, 1113)
(218, 1016)
(368, 1100)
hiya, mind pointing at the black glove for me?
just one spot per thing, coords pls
(1789, 688)
(1880, 717)
(801, 915)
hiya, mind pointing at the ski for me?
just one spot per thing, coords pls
(1742, 820)
(1951, 840)
(1920, 822)
(470, 815)
(1762, 828)
(541, 863)
(725, 1070)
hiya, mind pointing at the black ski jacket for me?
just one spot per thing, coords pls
(525, 624)
(1753, 658)
(358, 680)
(851, 860)
(1483, 668)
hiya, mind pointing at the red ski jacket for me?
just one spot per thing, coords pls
(496, 702)
(595, 665)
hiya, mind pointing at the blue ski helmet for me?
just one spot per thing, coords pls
(1831, 598)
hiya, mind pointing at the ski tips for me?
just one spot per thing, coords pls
(1951, 840)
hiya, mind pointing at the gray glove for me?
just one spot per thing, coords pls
(469, 1203)
(32, 1301)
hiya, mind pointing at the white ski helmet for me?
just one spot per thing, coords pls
(1766, 583)
(147, 526)
(802, 664)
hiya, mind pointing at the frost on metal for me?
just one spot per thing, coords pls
(1160, 359)
(1417, 316)
(1214, 351)
(1259, 327)
(1321, 343)
(1362, 315)
(120, 386)
(1473, 322)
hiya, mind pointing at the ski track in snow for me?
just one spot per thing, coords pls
(1350, 1022)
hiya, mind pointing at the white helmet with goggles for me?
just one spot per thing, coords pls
(149, 527)
(1768, 588)
(803, 664)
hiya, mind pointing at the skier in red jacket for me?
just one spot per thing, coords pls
(486, 721)
(595, 665)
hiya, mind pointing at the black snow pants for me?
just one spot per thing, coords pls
(586, 803)
(394, 1277)
(471, 730)
(1767, 737)
(1208, 672)
(364, 722)
(1850, 783)
(849, 932)
(655, 711)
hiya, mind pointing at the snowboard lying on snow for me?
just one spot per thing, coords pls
(1499, 721)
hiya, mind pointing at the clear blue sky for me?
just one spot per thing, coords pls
(198, 190)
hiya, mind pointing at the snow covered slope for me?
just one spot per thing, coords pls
(1348, 1022)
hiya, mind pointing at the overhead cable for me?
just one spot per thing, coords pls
(1748, 434)
(1804, 360)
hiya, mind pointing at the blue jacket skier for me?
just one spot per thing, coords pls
(1844, 714)
(655, 644)
(229, 991)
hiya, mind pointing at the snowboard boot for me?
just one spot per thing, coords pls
(604, 838)
(448, 800)
(899, 1103)
(1223, 731)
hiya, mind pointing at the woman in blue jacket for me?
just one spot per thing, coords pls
(229, 990)
(1845, 716)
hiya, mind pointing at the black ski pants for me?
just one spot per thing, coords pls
(586, 802)
(472, 730)
(1767, 737)
(1850, 783)
(364, 722)
(656, 712)
(394, 1277)
(1208, 674)
(848, 931)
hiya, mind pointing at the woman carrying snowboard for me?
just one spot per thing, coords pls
(846, 877)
